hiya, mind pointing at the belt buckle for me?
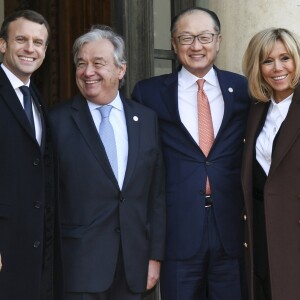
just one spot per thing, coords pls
(208, 203)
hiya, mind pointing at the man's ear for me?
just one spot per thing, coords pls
(122, 71)
(174, 46)
(2, 45)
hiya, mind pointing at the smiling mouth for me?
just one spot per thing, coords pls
(91, 81)
(29, 59)
(197, 55)
(279, 77)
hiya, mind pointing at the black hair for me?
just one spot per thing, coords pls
(27, 14)
(191, 10)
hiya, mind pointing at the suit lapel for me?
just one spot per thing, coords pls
(133, 131)
(257, 118)
(84, 121)
(10, 97)
(42, 112)
(289, 131)
(228, 94)
(170, 97)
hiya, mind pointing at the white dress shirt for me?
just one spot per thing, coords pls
(16, 83)
(118, 122)
(276, 114)
(187, 100)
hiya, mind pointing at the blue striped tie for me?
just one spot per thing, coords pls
(107, 136)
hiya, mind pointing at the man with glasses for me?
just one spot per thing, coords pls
(202, 112)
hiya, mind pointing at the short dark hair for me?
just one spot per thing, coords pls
(27, 14)
(191, 10)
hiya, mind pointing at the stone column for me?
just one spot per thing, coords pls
(241, 19)
(1, 11)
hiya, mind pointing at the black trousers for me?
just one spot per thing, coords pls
(262, 290)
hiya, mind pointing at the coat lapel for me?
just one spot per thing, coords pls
(228, 94)
(133, 131)
(289, 132)
(83, 119)
(170, 97)
(10, 97)
(256, 120)
(42, 112)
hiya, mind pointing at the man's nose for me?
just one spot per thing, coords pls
(89, 70)
(29, 46)
(196, 44)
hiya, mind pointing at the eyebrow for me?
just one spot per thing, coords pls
(201, 32)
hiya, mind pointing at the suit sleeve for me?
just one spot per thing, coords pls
(157, 206)
(136, 94)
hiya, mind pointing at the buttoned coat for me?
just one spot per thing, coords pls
(187, 167)
(281, 202)
(99, 218)
(27, 198)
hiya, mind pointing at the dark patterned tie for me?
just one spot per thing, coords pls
(27, 104)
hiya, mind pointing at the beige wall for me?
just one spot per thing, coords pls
(241, 19)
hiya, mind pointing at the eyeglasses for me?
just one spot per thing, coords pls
(203, 38)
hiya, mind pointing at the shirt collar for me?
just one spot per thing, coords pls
(282, 106)
(116, 103)
(186, 79)
(14, 80)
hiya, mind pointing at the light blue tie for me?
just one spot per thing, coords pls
(107, 136)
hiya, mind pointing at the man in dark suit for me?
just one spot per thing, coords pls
(27, 171)
(111, 190)
(204, 196)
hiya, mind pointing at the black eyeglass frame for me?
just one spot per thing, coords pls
(197, 36)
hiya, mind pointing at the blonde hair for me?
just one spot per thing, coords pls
(258, 50)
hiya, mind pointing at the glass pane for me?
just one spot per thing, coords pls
(162, 22)
(162, 66)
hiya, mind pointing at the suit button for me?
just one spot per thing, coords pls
(208, 163)
(37, 204)
(122, 199)
(117, 230)
(245, 245)
(245, 217)
(36, 162)
(36, 244)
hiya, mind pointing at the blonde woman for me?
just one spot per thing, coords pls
(271, 166)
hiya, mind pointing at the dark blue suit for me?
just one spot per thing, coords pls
(187, 167)
(97, 216)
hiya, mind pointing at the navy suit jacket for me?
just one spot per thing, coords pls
(187, 167)
(27, 202)
(96, 214)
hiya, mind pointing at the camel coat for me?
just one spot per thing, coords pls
(281, 202)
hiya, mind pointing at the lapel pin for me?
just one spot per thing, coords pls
(135, 118)
(230, 90)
